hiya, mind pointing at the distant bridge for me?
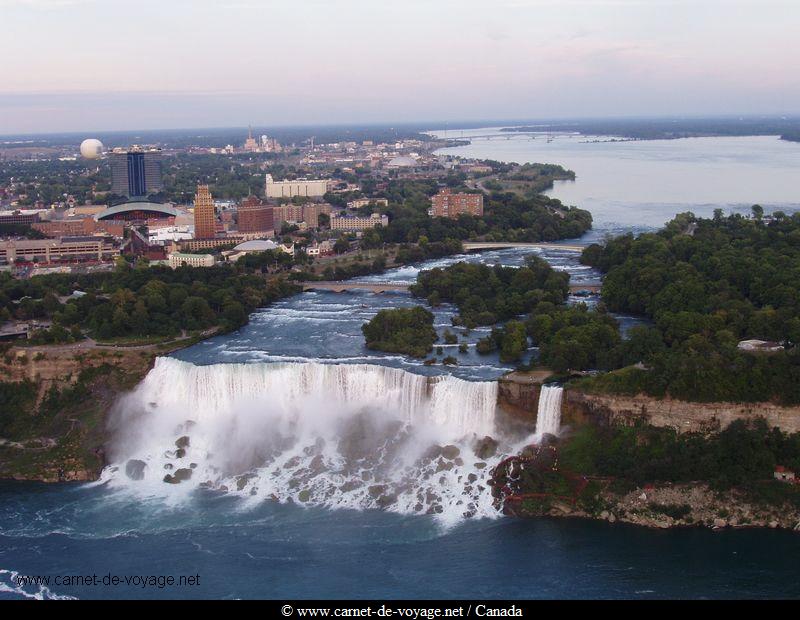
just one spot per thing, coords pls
(394, 287)
(497, 245)
(344, 285)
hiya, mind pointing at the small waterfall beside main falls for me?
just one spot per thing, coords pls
(548, 416)
(335, 435)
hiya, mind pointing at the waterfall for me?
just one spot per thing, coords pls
(338, 435)
(548, 416)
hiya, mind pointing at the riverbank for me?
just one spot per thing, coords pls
(662, 507)
(59, 397)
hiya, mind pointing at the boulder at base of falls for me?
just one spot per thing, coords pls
(376, 490)
(134, 469)
(450, 452)
(179, 476)
(485, 448)
(384, 501)
(241, 481)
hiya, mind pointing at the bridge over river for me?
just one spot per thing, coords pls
(499, 245)
(397, 287)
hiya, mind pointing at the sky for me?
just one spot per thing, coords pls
(75, 65)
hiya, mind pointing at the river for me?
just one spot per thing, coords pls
(338, 497)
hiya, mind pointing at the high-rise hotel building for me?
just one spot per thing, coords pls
(205, 217)
(255, 217)
(136, 172)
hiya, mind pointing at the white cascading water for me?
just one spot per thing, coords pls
(336, 435)
(548, 415)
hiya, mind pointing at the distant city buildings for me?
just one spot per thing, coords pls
(136, 172)
(307, 188)
(205, 219)
(448, 204)
(356, 222)
(250, 145)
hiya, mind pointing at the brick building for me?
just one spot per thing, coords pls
(255, 217)
(448, 204)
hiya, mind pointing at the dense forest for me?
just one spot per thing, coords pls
(707, 284)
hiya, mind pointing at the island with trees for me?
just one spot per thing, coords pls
(401, 330)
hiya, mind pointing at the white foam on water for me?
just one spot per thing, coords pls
(11, 584)
(338, 435)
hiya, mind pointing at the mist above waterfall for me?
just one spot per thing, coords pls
(354, 436)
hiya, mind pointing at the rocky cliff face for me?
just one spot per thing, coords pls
(580, 407)
(518, 400)
(56, 432)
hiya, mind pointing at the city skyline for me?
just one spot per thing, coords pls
(281, 64)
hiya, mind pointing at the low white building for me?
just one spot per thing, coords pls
(258, 245)
(178, 259)
(760, 346)
(310, 188)
(170, 233)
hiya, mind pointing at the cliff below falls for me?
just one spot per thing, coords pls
(518, 400)
(55, 401)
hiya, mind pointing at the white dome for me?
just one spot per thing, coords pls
(91, 148)
(402, 162)
(256, 245)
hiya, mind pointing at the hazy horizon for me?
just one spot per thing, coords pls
(92, 65)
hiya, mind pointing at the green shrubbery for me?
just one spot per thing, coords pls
(743, 453)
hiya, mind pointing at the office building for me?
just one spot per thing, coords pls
(17, 217)
(205, 217)
(355, 222)
(66, 248)
(309, 188)
(311, 213)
